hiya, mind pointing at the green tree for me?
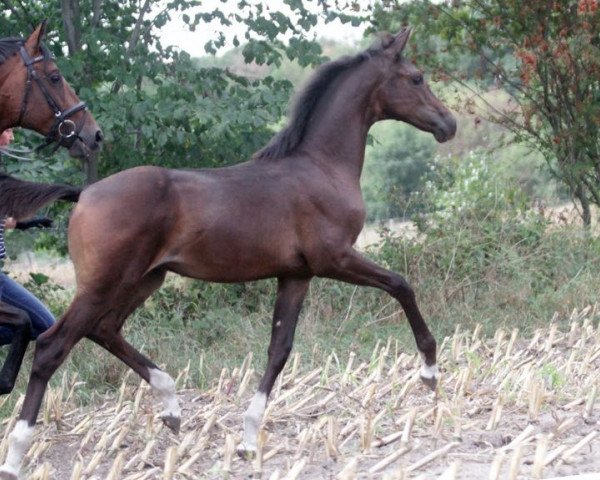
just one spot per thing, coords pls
(544, 53)
(394, 169)
(155, 105)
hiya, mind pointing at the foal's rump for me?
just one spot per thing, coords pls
(120, 221)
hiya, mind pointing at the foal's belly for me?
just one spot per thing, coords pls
(239, 256)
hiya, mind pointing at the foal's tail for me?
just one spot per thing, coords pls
(21, 199)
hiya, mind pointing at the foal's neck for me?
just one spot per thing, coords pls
(338, 131)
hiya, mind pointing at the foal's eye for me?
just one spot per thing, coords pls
(55, 78)
(417, 79)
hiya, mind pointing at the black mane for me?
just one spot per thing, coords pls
(288, 139)
(9, 46)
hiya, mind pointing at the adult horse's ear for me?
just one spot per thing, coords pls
(33, 41)
(400, 40)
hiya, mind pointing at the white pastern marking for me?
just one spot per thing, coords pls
(430, 371)
(164, 388)
(19, 442)
(252, 420)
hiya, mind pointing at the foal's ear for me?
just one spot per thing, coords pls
(399, 41)
(33, 41)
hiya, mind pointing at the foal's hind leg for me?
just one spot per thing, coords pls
(107, 335)
(290, 295)
(20, 323)
(349, 266)
(161, 382)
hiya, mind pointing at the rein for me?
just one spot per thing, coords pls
(64, 131)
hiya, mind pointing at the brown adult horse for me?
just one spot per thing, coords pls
(292, 212)
(34, 95)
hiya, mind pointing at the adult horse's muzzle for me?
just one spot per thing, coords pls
(89, 139)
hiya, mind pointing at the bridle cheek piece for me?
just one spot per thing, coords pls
(64, 128)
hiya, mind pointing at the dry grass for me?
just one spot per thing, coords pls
(506, 408)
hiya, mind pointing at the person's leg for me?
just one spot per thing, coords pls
(15, 329)
(18, 296)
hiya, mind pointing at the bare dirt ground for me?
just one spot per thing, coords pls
(506, 408)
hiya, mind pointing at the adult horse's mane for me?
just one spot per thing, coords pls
(288, 139)
(11, 45)
(20, 199)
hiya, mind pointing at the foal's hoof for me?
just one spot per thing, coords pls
(172, 422)
(245, 452)
(431, 382)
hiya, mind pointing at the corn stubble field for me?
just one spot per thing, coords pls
(506, 408)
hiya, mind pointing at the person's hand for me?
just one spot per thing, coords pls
(6, 137)
(42, 222)
(9, 223)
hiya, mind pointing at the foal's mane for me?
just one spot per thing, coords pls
(316, 91)
(21, 199)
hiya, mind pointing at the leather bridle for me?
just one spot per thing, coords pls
(64, 131)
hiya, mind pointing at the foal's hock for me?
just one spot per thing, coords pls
(292, 212)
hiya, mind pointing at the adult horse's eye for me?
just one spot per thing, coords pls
(417, 79)
(55, 78)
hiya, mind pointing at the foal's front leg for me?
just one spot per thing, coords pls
(349, 266)
(290, 295)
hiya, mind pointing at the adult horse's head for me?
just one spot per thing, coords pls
(404, 94)
(34, 95)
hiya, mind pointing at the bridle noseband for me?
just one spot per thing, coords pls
(64, 128)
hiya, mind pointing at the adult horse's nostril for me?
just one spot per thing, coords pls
(99, 136)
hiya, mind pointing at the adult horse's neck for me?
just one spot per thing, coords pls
(337, 133)
(9, 103)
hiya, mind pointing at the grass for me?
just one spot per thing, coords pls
(505, 406)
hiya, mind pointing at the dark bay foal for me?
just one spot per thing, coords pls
(292, 212)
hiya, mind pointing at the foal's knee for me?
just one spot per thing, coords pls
(401, 289)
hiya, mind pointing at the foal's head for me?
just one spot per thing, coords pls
(404, 95)
(37, 97)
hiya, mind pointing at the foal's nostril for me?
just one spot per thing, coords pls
(99, 136)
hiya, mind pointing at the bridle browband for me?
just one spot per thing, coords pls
(64, 131)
